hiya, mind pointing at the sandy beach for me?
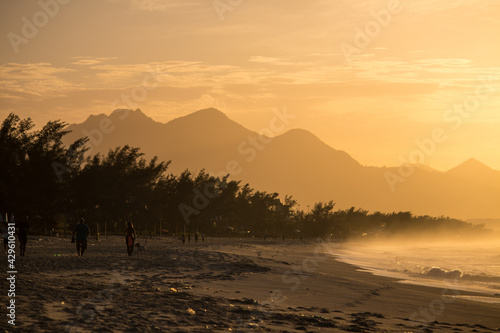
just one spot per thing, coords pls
(226, 285)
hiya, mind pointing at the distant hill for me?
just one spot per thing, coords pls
(295, 163)
(473, 170)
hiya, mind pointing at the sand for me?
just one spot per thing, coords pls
(225, 285)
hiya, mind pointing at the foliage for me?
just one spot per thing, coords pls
(55, 185)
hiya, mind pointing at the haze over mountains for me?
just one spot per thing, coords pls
(296, 163)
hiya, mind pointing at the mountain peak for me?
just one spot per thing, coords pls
(205, 117)
(303, 138)
(470, 165)
(134, 115)
(210, 113)
(300, 134)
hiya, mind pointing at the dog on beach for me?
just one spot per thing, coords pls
(141, 249)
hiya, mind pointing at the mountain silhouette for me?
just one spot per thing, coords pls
(473, 170)
(295, 163)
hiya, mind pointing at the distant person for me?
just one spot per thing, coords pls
(5, 235)
(183, 238)
(189, 237)
(130, 236)
(81, 231)
(22, 234)
(203, 238)
(196, 238)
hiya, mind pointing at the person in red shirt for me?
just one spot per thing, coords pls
(130, 236)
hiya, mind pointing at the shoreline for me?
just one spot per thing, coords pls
(223, 284)
(440, 274)
(425, 304)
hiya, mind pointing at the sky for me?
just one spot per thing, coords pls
(387, 81)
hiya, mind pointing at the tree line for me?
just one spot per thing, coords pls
(54, 185)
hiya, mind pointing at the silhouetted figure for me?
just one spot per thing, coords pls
(5, 235)
(196, 237)
(81, 231)
(283, 237)
(183, 238)
(203, 238)
(22, 234)
(130, 236)
(189, 237)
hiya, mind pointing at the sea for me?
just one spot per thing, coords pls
(471, 268)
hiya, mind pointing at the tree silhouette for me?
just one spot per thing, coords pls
(55, 184)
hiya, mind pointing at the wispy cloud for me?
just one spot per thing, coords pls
(99, 73)
(89, 61)
(35, 78)
(157, 5)
(276, 61)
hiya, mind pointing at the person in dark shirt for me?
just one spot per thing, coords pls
(81, 231)
(22, 234)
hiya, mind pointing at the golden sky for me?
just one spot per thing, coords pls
(374, 78)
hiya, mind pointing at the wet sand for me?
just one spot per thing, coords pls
(226, 285)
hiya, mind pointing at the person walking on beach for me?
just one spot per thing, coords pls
(81, 231)
(22, 234)
(130, 236)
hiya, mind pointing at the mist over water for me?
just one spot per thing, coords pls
(472, 267)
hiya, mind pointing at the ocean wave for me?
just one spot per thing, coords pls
(482, 278)
(439, 273)
(457, 274)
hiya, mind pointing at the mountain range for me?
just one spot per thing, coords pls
(296, 163)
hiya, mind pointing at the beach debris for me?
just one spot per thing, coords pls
(191, 311)
(248, 301)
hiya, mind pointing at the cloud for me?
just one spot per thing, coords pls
(448, 62)
(276, 61)
(89, 61)
(261, 59)
(35, 78)
(157, 5)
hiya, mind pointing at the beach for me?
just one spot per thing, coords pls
(226, 285)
